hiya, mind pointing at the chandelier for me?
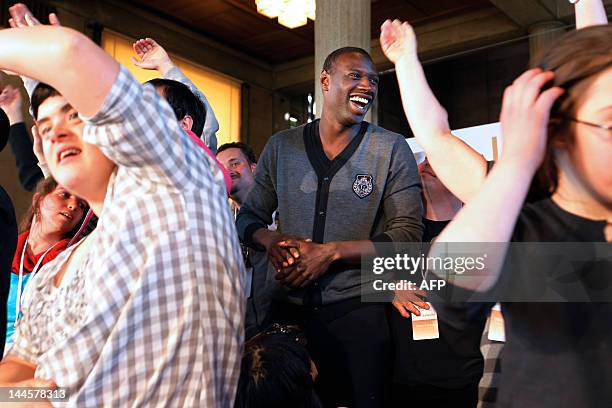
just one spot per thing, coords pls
(290, 13)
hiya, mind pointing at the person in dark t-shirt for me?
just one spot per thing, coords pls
(443, 371)
(556, 126)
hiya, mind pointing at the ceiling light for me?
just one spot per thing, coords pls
(269, 8)
(290, 13)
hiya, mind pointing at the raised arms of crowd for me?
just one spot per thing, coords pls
(460, 168)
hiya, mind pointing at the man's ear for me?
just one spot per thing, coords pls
(186, 123)
(324, 80)
(253, 167)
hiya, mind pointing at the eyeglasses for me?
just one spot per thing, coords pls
(590, 124)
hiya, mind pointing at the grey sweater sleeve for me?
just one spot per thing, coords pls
(402, 202)
(212, 125)
(262, 201)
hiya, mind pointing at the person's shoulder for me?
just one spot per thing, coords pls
(541, 220)
(288, 136)
(385, 134)
(381, 138)
(292, 133)
(387, 139)
(545, 220)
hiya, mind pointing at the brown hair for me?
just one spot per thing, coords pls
(576, 60)
(41, 93)
(44, 188)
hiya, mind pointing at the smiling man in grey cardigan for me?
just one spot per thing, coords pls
(340, 185)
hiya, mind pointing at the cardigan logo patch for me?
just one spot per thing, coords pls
(362, 186)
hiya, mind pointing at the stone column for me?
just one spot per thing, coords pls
(542, 35)
(339, 23)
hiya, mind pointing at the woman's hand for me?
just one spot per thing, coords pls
(524, 118)
(151, 55)
(10, 102)
(409, 301)
(397, 40)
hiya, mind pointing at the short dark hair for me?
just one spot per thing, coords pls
(41, 93)
(244, 148)
(330, 61)
(182, 101)
(275, 373)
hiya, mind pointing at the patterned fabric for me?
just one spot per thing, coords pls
(160, 294)
(487, 388)
(87, 226)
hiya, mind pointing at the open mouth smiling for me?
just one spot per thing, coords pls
(360, 102)
(67, 215)
(67, 152)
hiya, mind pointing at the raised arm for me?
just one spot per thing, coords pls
(590, 13)
(448, 155)
(21, 145)
(153, 56)
(492, 213)
(74, 65)
(23, 17)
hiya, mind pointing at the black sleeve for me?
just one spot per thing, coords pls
(27, 163)
(4, 129)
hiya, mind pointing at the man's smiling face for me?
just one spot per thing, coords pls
(239, 168)
(350, 88)
(78, 166)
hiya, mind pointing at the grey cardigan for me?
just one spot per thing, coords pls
(372, 190)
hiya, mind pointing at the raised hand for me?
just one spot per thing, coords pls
(10, 102)
(21, 16)
(37, 147)
(397, 40)
(525, 115)
(151, 55)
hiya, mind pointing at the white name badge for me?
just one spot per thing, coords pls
(425, 326)
(497, 329)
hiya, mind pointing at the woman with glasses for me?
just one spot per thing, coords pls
(556, 125)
